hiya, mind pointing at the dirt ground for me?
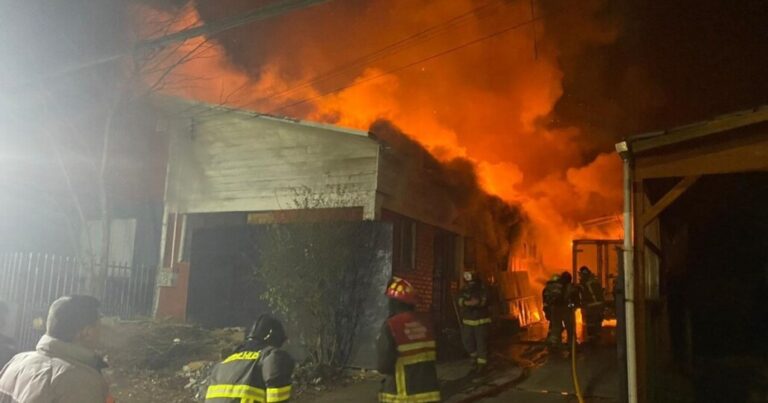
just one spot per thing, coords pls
(155, 361)
(161, 361)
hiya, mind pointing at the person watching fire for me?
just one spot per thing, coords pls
(65, 367)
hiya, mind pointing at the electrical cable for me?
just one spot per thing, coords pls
(379, 54)
(414, 63)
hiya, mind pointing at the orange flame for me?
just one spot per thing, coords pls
(490, 102)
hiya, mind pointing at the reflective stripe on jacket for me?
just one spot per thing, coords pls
(475, 315)
(252, 376)
(408, 339)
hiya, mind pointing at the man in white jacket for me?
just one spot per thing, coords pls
(64, 368)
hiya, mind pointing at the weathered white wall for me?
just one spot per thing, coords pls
(226, 160)
(406, 186)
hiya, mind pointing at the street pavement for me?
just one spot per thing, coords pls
(549, 380)
(523, 370)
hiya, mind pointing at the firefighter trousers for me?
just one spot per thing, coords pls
(475, 340)
(561, 319)
(593, 318)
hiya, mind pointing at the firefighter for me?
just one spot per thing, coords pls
(406, 349)
(571, 296)
(258, 371)
(475, 319)
(553, 299)
(592, 302)
(551, 295)
(562, 311)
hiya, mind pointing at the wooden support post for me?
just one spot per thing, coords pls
(639, 293)
(678, 190)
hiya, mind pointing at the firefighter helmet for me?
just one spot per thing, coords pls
(267, 329)
(469, 276)
(566, 278)
(555, 278)
(584, 270)
(401, 290)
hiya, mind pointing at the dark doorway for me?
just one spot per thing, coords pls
(222, 288)
(443, 308)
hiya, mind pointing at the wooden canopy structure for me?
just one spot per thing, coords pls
(663, 166)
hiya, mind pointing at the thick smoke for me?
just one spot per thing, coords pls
(536, 106)
(494, 224)
(487, 98)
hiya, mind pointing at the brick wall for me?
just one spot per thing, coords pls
(421, 275)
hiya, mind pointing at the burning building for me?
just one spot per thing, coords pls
(230, 171)
(429, 73)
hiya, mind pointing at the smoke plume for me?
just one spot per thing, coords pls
(475, 80)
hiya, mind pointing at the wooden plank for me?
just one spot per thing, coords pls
(319, 185)
(272, 187)
(287, 154)
(696, 130)
(249, 129)
(346, 163)
(678, 190)
(739, 155)
(307, 168)
(255, 204)
(253, 177)
(239, 163)
(639, 294)
(223, 141)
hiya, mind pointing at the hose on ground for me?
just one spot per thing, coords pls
(574, 374)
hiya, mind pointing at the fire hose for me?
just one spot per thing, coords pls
(574, 374)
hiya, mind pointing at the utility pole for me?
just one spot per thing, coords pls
(260, 14)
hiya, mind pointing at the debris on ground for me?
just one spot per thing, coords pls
(154, 361)
(157, 361)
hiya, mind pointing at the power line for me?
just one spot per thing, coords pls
(225, 24)
(409, 65)
(210, 29)
(379, 54)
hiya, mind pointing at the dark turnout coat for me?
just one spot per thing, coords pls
(474, 315)
(254, 374)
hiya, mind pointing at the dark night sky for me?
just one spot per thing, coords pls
(697, 58)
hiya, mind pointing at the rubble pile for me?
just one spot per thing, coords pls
(155, 361)
(310, 380)
(162, 361)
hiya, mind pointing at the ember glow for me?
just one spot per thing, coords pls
(481, 85)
